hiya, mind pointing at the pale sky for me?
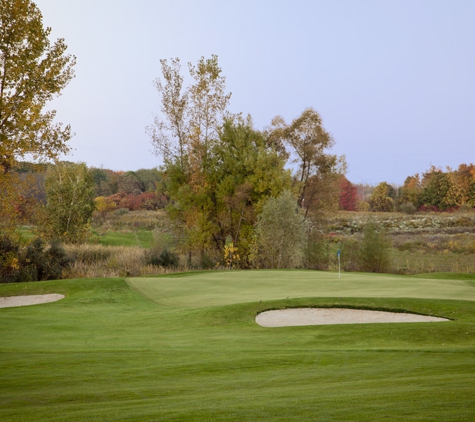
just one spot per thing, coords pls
(392, 79)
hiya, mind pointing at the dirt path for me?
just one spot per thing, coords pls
(11, 301)
(326, 316)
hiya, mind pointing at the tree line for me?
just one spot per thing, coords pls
(249, 194)
(434, 190)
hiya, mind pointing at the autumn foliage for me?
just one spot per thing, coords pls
(348, 195)
(141, 202)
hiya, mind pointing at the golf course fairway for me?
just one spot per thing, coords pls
(186, 347)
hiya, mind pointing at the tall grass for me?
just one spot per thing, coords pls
(108, 261)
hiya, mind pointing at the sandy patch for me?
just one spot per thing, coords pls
(9, 302)
(327, 316)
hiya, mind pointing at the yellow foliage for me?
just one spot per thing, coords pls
(231, 256)
(104, 205)
(362, 206)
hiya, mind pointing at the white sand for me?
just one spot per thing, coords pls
(8, 302)
(326, 316)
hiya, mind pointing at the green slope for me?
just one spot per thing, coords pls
(107, 353)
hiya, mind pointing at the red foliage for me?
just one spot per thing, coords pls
(144, 201)
(348, 195)
(117, 198)
(429, 208)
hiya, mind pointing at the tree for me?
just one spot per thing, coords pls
(32, 72)
(374, 250)
(380, 199)
(19, 195)
(348, 195)
(281, 232)
(410, 190)
(222, 199)
(130, 183)
(149, 178)
(435, 186)
(465, 177)
(190, 116)
(70, 204)
(471, 194)
(454, 197)
(306, 141)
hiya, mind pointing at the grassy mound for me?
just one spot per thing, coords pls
(187, 348)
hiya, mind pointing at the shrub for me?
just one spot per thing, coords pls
(33, 263)
(318, 253)
(362, 206)
(165, 259)
(428, 208)
(207, 262)
(70, 203)
(349, 255)
(408, 208)
(281, 232)
(9, 259)
(39, 263)
(374, 250)
(104, 205)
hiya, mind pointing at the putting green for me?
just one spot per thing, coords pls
(198, 290)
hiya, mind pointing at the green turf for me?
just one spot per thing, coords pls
(218, 288)
(143, 238)
(108, 353)
(26, 233)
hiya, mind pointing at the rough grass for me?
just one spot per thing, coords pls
(141, 238)
(422, 242)
(107, 353)
(108, 261)
(133, 221)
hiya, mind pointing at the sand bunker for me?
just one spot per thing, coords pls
(327, 316)
(9, 302)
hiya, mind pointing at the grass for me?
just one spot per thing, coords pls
(142, 238)
(26, 233)
(93, 260)
(187, 349)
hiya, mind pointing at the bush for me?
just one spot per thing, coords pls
(349, 255)
(374, 250)
(318, 253)
(34, 263)
(408, 208)
(9, 259)
(165, 258)
(428, 208)
(207, 262)
(281, 232)
(69, 202)
(39, 264)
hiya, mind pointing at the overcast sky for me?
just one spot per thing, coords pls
(392, 80)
